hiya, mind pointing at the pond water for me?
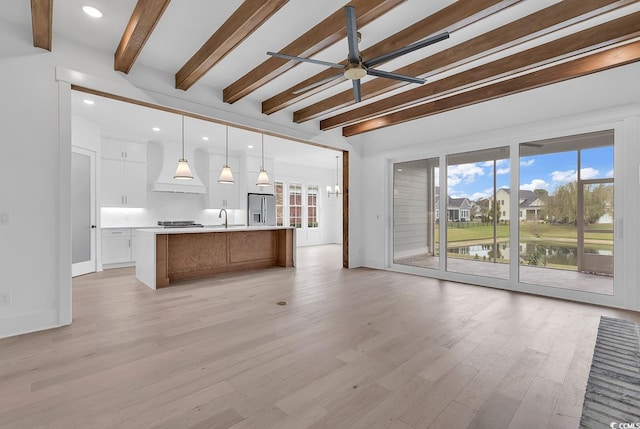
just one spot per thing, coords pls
(565, 254)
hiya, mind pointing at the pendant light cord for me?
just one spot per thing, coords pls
(226, 158)
(262, 165)
(182, 136)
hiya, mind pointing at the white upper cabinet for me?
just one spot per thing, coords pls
(221, 195)
(124, 174)
(115, 149)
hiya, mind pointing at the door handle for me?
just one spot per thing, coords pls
(93, 227)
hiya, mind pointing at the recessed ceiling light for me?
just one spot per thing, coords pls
(205, 138)
(89, 102)
(92, 11)
(399, 169)
(250, 146)
(155, 129)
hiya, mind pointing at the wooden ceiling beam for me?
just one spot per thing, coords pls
(611, 32)
(241, 24)
(545, 21)
(321, 36)
(450, 18)
(143, 20)
(42, 23)
(600, 61)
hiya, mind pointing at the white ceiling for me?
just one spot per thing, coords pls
(121, 120)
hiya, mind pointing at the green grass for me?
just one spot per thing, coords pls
(528, 232)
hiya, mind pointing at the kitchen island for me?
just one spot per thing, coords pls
(165, 255)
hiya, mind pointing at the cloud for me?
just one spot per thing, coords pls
(527, 163)
(463, 173)
(535, 184)
(564, 176)
(588, 173)
(481, 194)
(500, 171)
(609, 173)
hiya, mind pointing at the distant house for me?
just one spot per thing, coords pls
(529, 205)
(458, 209)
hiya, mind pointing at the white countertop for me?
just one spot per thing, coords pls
(129, 227)
(217, 228)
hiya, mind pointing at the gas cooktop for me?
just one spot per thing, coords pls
(179, 224)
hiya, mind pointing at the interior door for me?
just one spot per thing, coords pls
(83, 212)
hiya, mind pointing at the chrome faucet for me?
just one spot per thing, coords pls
(225, 217)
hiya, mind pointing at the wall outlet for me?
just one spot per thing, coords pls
(4, 218)
(5, 298)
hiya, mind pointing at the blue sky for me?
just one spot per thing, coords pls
(547, 171)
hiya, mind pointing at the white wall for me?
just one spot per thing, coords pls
(30, 256)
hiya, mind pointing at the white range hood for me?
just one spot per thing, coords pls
(168, 157)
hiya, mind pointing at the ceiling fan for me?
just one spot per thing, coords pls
(356, 68)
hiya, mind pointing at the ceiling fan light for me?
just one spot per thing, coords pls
(226, 176)
(183, 172)
(354, 72)
(263, 179)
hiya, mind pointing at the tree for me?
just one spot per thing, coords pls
(563, 205)
(597, 202)
(497, 211)
(541, 193)
(483, 207)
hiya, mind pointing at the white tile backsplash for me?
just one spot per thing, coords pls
(168, 206)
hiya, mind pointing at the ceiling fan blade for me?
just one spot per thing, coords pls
(306, 60)
(409, 48)
(318, 83)
(352, 34)
(396, 76)
(357, 90)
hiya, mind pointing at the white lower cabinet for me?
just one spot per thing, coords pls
(117, 247)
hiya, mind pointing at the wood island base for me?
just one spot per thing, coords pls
(189, 255)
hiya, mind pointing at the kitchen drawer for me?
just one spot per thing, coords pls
(116, 232)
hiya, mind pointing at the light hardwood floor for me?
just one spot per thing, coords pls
(354, 348)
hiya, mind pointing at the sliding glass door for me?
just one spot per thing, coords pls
(566, 229)
(477, 212)
(562, 212)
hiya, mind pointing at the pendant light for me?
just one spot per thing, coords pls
(226, 176)
(183, 172)
(263, 178)
(336, 190)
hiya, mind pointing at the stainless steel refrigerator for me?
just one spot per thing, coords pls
(261, 210)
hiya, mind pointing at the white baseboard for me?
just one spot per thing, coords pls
(26, 323)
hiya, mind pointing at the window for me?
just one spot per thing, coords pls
(312, 206)
(279, 191)
(295, 205)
